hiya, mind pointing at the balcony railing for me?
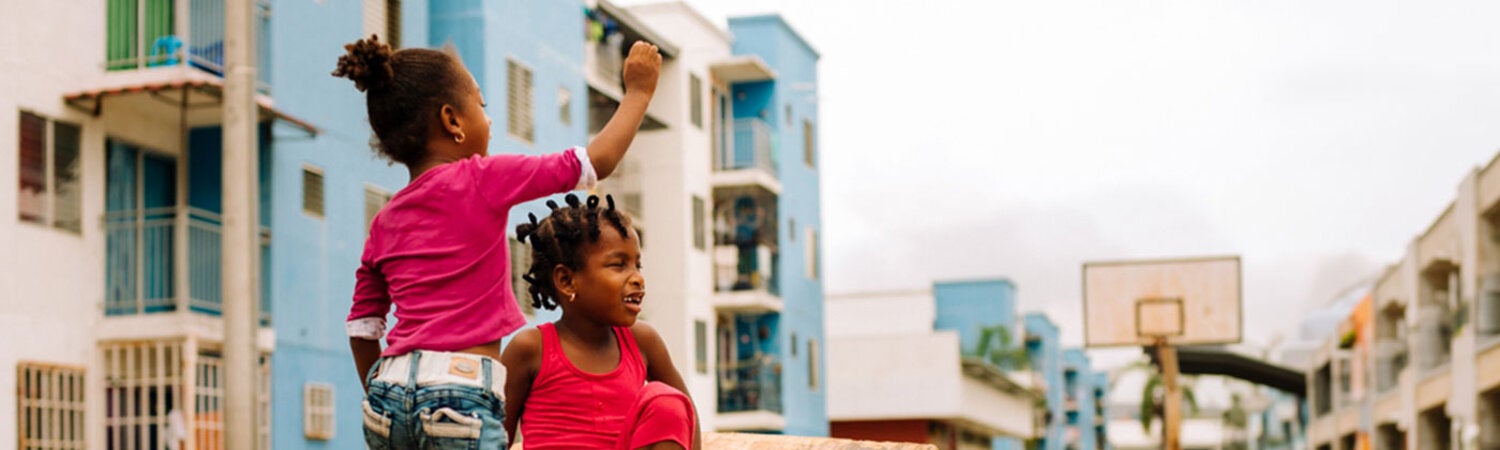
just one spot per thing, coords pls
(736, 271)
(144, 265)
(752, 149)
(750, 385)
(148, 33)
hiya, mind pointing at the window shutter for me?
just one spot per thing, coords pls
(312, 191)
(519, 102)
(317, 411)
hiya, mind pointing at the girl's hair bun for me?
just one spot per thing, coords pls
(368, 63)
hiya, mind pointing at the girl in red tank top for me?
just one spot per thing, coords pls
(596, 378)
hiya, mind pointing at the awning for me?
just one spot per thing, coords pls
(634, 25)
(177, 88)
(742, 69)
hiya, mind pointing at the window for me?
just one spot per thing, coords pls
(700, 224)
(50, 173)
(312, 191)
(812, 254)
(375, 200)
(520, 263)
(791, 229)
(794, 345)
(564, 106)
(317, 411)
(812, 364)
(695, 93)
(788, 115)
(383, 18)
(518, 111)
(50, 404)
(700, 342)
(808, 143)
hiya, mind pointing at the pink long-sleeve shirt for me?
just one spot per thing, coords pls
(438, 251)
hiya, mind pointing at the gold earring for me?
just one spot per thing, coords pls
(458, 139)
(571, 296)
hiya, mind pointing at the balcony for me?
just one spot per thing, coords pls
(166, 260)
(750, 159)
(148, 34)
(745, 283)
(750, 395)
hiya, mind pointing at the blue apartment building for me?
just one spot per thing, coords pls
(775, 354)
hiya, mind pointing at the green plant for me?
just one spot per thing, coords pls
(997, 346)
(1347, 340)
(1153, 395)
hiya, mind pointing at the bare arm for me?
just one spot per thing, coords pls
(366, 352)
(641, 69)
(659, 367)
(522, 358)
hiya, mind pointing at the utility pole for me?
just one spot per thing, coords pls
(241, 228)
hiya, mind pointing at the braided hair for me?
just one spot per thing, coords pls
(560, 240)
(404, 90)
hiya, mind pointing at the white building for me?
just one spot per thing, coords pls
(893, 378)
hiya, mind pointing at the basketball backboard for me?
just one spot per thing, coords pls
(1189, 301)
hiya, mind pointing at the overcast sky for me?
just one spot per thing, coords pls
(965, 139)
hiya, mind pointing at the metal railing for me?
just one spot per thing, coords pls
(149, 33)
(752, 147)
(144, 264)
(750, 385)
(734, 274)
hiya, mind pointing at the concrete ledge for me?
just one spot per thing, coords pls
(740, 441)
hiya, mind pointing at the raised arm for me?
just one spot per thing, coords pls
(641, 69)
(659, 367)
(522, 359)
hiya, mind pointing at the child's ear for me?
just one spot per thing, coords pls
(562, 282)
(448, 116)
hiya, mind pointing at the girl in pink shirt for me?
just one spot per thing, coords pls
(581, 382)
(438, 251)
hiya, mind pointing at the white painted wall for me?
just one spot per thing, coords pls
(894, 376)
(880, 313)
(51, 281)
(916, 376)
(678, 161)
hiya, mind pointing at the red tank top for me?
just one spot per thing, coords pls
(572, 409)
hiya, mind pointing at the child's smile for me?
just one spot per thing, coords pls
(611, 287)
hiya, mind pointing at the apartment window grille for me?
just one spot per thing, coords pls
(50, 406)
(50, 173)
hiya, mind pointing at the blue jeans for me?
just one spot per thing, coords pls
(434, 417)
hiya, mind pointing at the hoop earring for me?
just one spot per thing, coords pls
(572, 296)
(458, 139)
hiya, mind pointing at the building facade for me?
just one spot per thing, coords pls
(1428, 355)
(113, 239)
(938, 384)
